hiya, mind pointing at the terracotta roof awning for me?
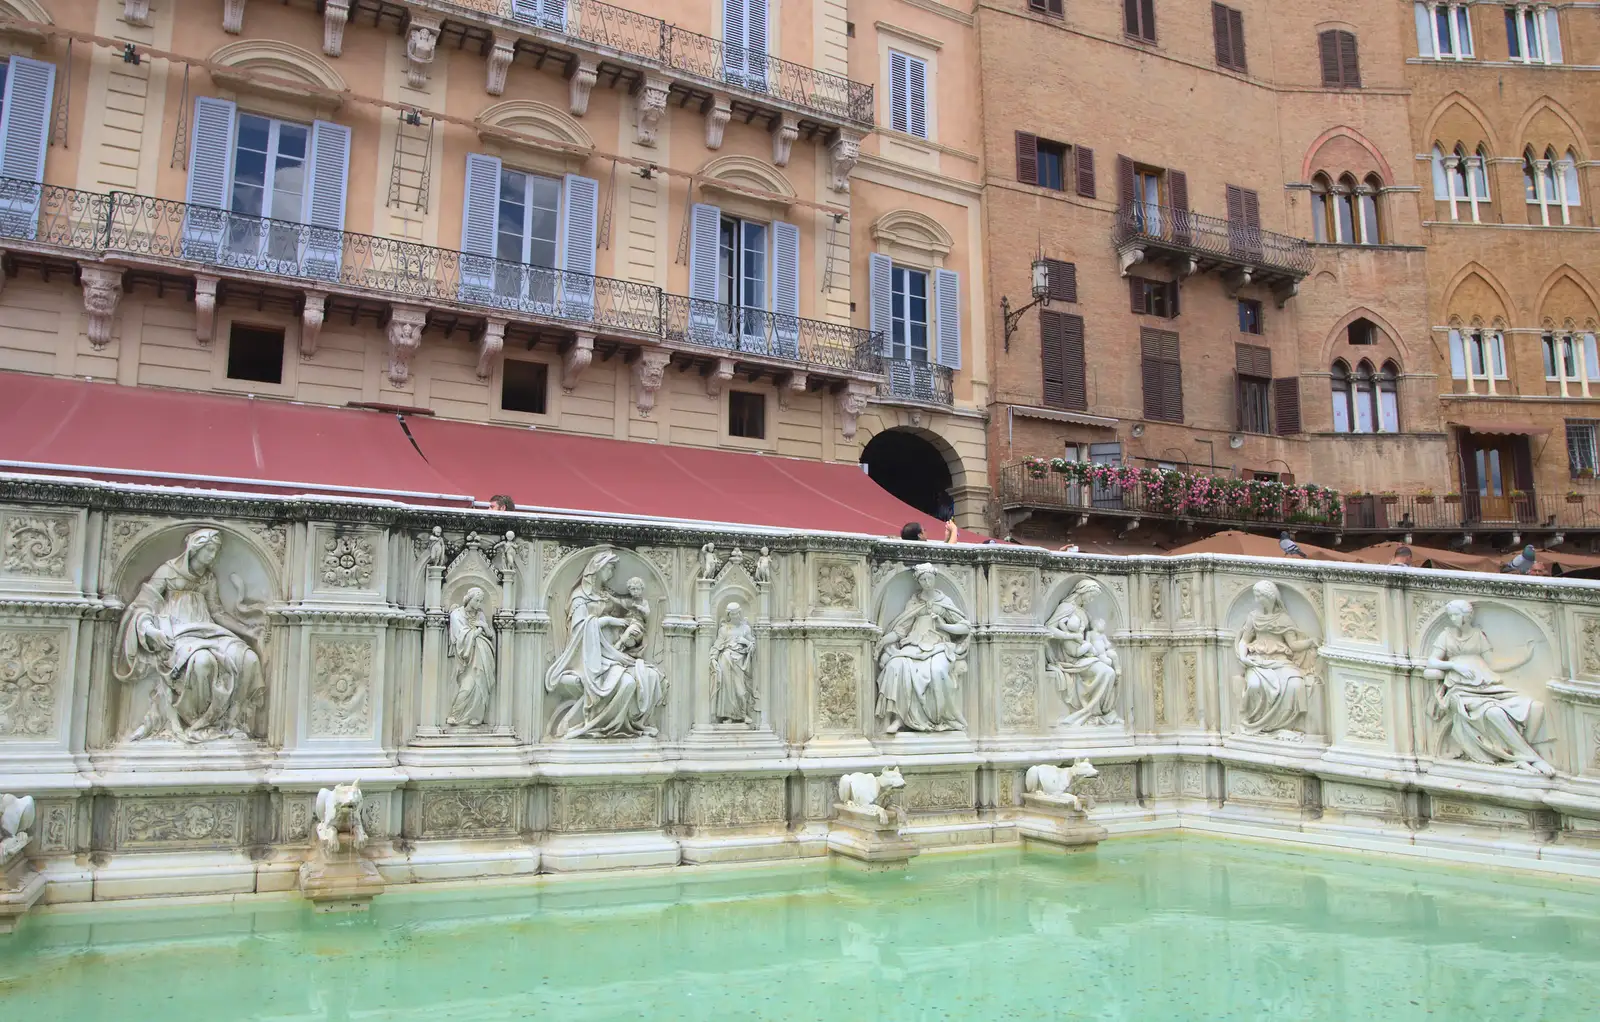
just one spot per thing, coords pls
(1503, 428)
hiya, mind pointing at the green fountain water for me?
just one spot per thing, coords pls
(1189, 928)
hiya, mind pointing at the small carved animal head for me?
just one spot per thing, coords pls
(1083, 768)
(890, 778)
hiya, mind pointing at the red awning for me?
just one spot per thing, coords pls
(213, 441)
(1503, 428)
(177, 438)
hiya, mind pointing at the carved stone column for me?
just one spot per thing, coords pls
(852, 402)
(335, 13)
(102, 290)
(717, 120)
(649, 373)
(843, 152)
(575, 360)
(652, 101)
(421, 46)
(783, 136)
(582, 84)
(433, 647)
(499, 63)
(205, 307)
(233, 16)
(490, 346)
(405, 337)
(311, 322)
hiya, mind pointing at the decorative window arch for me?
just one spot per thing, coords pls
(1461, 177)
(298, 80)
(1346, 212)
(1366, 400)
(1478, 355)
(1571, 359)
(1550, 185)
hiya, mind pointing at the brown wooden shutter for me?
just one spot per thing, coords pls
(1051, 357)
(1252, 208)
(1349, 60)
(1219, 35)
(1172, 298)
(1125, 183)
(1286, 405)
(1074, 389)
(1236, 39)
(1150, 371)
(1236, 205)
(1328, 53)
(1162, 373)
(1148, 10)
(1085, 159)
(1252, 360)
(1027, 158)
(1178, 195)
(1136, 296)
(1063, 281)
(1172, 385)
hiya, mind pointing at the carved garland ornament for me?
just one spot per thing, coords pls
(1363, 711)
(1019, 695)
(837, 705)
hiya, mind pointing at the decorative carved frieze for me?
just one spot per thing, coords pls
(1116, 782)
(347, 562)
(1019, 690)
(843, 154)
(35, 545)
(838, 687)
(1016, 592)
(30, 672)
(932, 793)
(604, 807)
(470, 813)
(733, 801)
(1264, 788)
(837, 588)
(178, 823)
(1362, 799)
(1357, 616)
(341, 687)
(1363, 711)
(649, 373)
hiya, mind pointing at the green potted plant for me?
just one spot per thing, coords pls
(1424, 496)
(1585, 473)
(1389, 497)
(1452, 497)
(1574, 497)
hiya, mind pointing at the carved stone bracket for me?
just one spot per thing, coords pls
(136, 12)
(311, 322)
(582, 84)
(652, 100)
(1281, 293)
(1234, 280)
(102, 290)
(719, 376)
(335, 13)
(649, 373)
(233, 16)
(505, 48)
(1128, 258)
(422, 44)
(795, 384)
(490, 345)
(575, 360)
(783, 136)
(1186, 268)
(205, 307)
(405, 337)
(852, 402)
(843, 152)
(717, 117)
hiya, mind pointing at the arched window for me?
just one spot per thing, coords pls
(1477, 355)
(1341, 397)
(1322, 225)
(1572, 361)
(1371, 223)
(1569, 179)
(1389, 398)
(1365, 401)
(1345, 207)
(1345, 213)
(1441, 178)
(1461, 176)
(1550, 185)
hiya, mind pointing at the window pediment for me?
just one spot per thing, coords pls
(741, 175)
(907, 231)
(20, 39)
(279, 71)
(520, 127)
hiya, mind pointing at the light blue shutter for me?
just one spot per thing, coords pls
(880, 300)
(330, 174)
(705, 224)
(897, 91)
(947, 301)
(786, 287)
(24, 136)
(734, 36)
(582, 211)
(480, 221)
(917, 97)
(756, 44)
(1458, 356)
(1424, 31)
(1552, 22)
(553, 14)
(210, 177)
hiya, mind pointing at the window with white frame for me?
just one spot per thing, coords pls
(742, 273)
(1478, 356)
(528, 240)
(744, 281)
(269, 181)
(529, 219)
(1581, 459)
(1346, 212)
(1533, 33)
(1461, 178)
(917, 313)
(1550, 183)
(908, 334)
(1366, 400)
(1444, 30)
(1571, 360)
(908, 94)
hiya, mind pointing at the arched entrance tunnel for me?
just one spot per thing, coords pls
(912, 468)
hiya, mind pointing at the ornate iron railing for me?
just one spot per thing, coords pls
(756, 331)
(690, 53)
(1213, 236)
(129, 226)
(915, 380)
(1021, 487)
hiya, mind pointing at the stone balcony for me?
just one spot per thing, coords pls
(1193, 243)
(119, 241)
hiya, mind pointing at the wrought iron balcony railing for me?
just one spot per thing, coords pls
(1471, 512)
(1182, 500)
(1212, 238)
(698, 56)
(911, 379)
(139, 227)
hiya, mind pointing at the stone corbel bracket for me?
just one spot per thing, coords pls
(575, 360)
(1128, 258)
(783, 135)
(1235, 280)
(1281, 293)
(500, 57)
(852, 402)
(649, 373)
(311, 318)
(102, 290)
(843, 153)
(205, 307)
(490, 345)
(652, 101)
(233, 16)
(422, 44)
(722, 374)
(717, 116)
(796, 383)
(405, 337)
(583, 79)
(335, 14)
(137, 12)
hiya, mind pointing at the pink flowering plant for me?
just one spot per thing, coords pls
(1204, 496)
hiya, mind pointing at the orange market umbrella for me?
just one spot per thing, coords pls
(1431, 557)
(1235, 542)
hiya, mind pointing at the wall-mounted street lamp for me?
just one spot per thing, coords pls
(1041, 296)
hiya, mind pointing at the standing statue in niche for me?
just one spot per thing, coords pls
(1479, 717)
(733, 693)
(609, 689)
(1081, 661)
(921, 659)
(472, 648)
(763, 571)
(1279, 664)
(203, 657)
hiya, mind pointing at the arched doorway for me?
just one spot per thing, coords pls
(911, 468)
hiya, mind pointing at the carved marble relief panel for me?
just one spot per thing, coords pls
(1165, 778)
(30, 678)
(1189, 675)
(1483, 814)
(1192, 779)
(837, 588)
(1363, 708)
(733, 801)
(1019, 690)
(35, 546)
(838, 690)
(1014, 592)
(933, 793)
(1158, 687)
(171, 824)
(1362, 799)
(57, 826)
(821, 794)
(341, 687)
(1357, 616)
(1118, 782)
(1589, 645)
(1262, 788)
(470, 812)
(348, 562)
(604, 807)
